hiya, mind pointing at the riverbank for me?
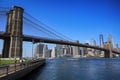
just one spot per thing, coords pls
(13, 72)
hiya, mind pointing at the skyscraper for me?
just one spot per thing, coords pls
(45, 50)
(76, 50)
(53, 53)
(59, 50)
(48, 53)
(41, 50)
(82, 51)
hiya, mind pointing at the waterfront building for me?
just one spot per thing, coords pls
(45, 50)
(40, 50)
(63, 50)
(76, 51)
(69, 51)
(90, 53)
(81, 52)
(53, 55)
(48, 53)
(59, 50)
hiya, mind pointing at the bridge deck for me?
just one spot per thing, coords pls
(36, 39)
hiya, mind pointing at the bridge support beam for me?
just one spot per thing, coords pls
(14, 27)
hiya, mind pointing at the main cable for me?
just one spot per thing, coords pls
(38, 27)
(47, 27)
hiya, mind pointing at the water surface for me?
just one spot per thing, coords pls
(78, 69)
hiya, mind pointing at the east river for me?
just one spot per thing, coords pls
(77, 69)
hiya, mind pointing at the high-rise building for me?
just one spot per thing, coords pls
(59, 50)
(48, 53)
(53, 55)
(41, 50)
(63, 50)
(82, 52)
(76, 50)
(45, 50)
(68, 50)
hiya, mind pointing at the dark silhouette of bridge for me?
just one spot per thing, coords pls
(13, 37)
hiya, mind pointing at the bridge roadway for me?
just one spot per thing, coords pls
(36, 39)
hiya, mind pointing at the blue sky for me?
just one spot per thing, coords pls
(81, 20)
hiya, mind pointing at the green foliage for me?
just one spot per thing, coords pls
(4, 62)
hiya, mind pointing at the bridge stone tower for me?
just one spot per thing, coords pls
(108, 53)
(12, 47)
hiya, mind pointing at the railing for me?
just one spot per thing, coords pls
(8, 69)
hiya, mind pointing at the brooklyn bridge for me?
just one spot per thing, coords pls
(13, 36)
